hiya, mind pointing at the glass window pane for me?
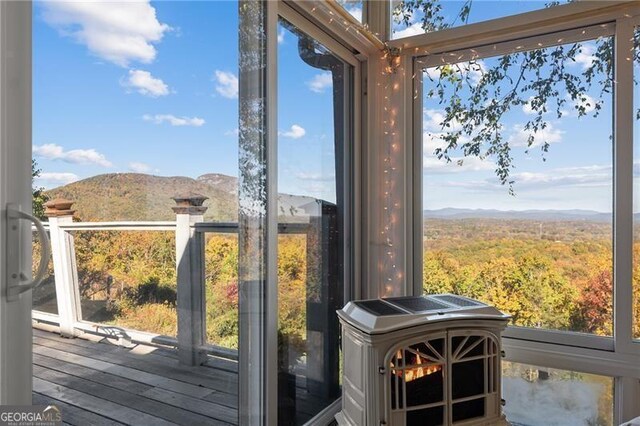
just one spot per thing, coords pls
(354, 7)
(548, 396)
(636, 188)
(132, 106)
(517, 184)
(44, 295)
(311, 146)
(412, 17)
(116, 126)
(128, 279)
(221, 277)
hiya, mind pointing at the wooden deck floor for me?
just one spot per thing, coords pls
(95, 382)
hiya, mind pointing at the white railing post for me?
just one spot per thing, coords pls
(59, 212)
(191, 279)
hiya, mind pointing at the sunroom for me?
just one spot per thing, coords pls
(192, 190)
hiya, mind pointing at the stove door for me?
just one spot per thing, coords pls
(448, 377)
(473, 367)
(416, 383)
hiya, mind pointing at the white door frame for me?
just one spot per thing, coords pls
(15, 188)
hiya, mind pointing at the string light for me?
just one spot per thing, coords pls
(388, 267)
(389, 87)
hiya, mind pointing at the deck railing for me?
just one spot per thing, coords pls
(190, 229)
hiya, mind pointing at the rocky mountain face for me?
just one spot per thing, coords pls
(141, 197)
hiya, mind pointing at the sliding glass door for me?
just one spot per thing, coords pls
(315, 88)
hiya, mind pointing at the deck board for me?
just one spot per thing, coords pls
(73, 415)
(96, 405)
(89, 374)
(218, 380)
(97, 382)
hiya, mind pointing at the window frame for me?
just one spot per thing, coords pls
(545, 41)
(312, 18)
(351, 149)
(617, 356)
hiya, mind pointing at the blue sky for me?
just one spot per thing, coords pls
(481, 10)
(577, 173)
(152, 88)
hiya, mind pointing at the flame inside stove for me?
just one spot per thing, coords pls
(413, 373)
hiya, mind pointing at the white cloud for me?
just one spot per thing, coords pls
(586, 102)
(320, 82)
(411, 30)
(226, 84)
(233, 132)
(145, 84)
(432, 141)
(356, 12)
(296, 132)
(433, 119)
(520, 136)
(528, 108)
(472, 70)
(281, 36)
(76, 156)
(120, 32)
(317, 177)
(585, 57)
(566, 177)
(139, 167)
(49, 179)
(433, 165)
(173, 120)
(570, 176)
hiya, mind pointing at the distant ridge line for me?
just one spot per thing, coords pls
(532, 214)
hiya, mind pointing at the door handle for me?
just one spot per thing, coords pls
(17, 282)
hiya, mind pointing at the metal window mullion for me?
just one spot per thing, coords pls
(515, 46)
(448, 406)
(623, 187)
(258, 227)
(379, 19)
(624, 407)
(271, 332)
(417, 78)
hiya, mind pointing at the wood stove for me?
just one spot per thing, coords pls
(424, 360)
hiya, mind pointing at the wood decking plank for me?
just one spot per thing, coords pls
(146, 352)
(73, 415)
(96, 405)
(123, 371)
(209, 409)
(223, 398)
(89, 374)
(78, 373)
(224, 381)
(132, 401)
(222, 364)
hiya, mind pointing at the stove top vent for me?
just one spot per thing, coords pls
(377, 316)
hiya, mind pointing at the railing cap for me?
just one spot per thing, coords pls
(58, 207)
(190, 203)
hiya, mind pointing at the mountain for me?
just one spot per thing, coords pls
(137, 196)
(140, 197)
(541, 215)
(223, 182)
